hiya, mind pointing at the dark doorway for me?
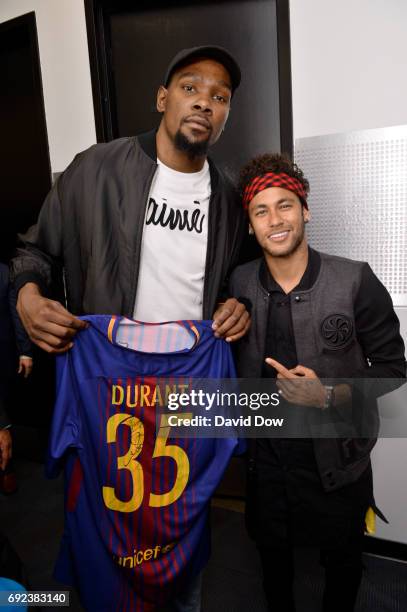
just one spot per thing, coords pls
(130, 47)
(25, 172)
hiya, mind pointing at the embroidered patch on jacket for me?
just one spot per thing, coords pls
(337, 330)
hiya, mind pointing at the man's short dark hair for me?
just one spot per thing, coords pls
(271, 162)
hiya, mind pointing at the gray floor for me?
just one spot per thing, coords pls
(33, 521)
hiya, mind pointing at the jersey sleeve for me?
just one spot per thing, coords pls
(66, 426)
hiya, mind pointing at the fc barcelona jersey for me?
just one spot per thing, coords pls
(137, 500)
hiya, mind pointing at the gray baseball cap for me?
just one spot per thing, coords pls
(219, 54)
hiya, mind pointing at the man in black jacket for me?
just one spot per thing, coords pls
(15, 356)
(5, 438)
(314, 316)
(144, 227)
(142, 222)
(14, 342)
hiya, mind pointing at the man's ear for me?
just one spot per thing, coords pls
(251, 230)
(306, 214)
(161, 98)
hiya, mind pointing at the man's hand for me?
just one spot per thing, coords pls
(48, 323)
(231, 320)
(5, 448)
(300, 385)
(25, 365)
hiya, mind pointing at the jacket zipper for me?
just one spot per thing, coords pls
(137, 254)
(205, 305)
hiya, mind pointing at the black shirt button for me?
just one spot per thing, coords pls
(297, 298)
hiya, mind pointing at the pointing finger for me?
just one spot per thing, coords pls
(278, 367)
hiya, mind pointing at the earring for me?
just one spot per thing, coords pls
(251, 230)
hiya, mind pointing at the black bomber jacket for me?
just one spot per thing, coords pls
(91, 224)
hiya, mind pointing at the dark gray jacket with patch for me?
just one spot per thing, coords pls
(326, 341)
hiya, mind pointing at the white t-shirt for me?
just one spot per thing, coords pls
(173, 248)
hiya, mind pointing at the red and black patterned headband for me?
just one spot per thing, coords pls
(260, 183)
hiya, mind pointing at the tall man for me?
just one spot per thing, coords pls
(143, 226)
(314, 316)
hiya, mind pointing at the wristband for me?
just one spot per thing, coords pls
(329, 397)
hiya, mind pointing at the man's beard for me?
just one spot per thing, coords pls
(293, 248)
(192, 149)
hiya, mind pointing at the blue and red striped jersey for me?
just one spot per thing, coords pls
(137, 499)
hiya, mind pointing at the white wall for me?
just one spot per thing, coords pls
(348, 67)
(65, 73)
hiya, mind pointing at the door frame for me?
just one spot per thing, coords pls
(98, 13)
